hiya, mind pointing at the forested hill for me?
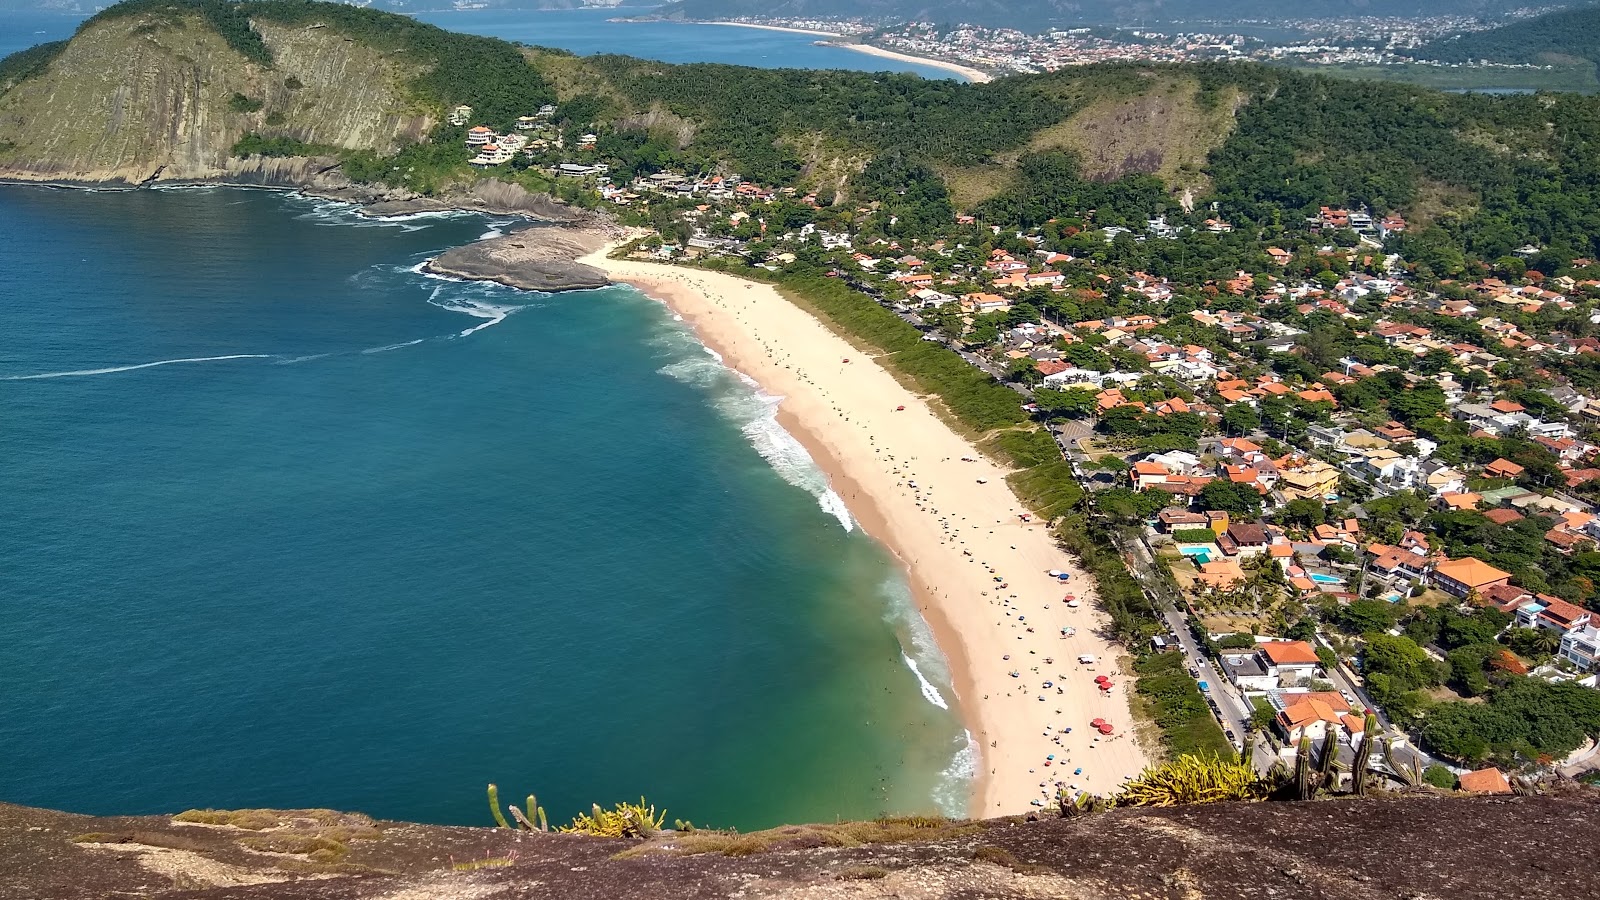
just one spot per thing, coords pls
(1569, 33)
(188, 88)
(1038, 15)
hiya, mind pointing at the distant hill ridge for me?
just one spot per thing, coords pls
(1573, 33)
(169, 89)
(1037, 15)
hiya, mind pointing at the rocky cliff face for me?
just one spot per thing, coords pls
(141, 98)
(1436, 848)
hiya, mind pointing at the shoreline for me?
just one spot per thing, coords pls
(977, 76)
(946, 542)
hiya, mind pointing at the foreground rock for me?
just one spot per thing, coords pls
(1433, 848)
(538, 259)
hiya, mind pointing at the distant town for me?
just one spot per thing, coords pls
(1365, 41)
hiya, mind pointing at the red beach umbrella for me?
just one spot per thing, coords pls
(1105, 727)
(1106, 686)
(1096, 723)
(1101, 679)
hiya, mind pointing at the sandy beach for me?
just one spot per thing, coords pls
(966, 72)
(840, 40)
(826, 34)
(979, 572)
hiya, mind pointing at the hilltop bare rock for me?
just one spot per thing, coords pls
(538, 259)
(1437, 848)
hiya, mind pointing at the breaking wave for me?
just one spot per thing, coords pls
(740, 399)
(78, 373)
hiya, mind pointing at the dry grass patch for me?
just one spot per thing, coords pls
(143, 838)
(971, 185)
(888, 830)
(1165, 130)
(999, 856)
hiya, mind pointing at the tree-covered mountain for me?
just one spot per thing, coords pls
(1036, 15)
(172, 89)
(1573, 33)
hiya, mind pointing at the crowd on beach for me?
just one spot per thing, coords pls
(989, 573)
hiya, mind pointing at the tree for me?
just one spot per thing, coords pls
(1306, 513)
(1024, 371)
(1439, 777)
(1240, 418)
(1073, 403)
(1399, 658)
(1535, 644)
(1365, 617)
(1222, 494)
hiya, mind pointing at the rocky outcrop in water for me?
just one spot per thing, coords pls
(1434, 848)
(539, 259)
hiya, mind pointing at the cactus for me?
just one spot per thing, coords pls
(536, 814)
(1358, 777)
(1328, 762)
(494, 807)
(1303, 788)
(1248, 751)
(522, 820)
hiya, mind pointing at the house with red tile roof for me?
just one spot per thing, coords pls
(1460, 577)
(1311, 714)
(1485, 781)
(1502, 468)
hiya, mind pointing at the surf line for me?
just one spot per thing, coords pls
(149, 365)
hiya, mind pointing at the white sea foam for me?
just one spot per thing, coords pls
(149, 365)
(755, 412)
(952, 793)
(922, 656)
(929, 692)
(294, 360)
(462, 301)
(386, 348)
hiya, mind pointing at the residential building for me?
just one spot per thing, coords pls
(1460, 577)
(1581, 646)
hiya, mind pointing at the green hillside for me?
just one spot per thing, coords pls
(1553, 38)
(1266, 144)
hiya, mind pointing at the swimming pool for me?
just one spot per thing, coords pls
(1200, 555)
(1320, 578)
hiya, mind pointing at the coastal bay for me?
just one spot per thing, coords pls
(951, 520)
(283, 504)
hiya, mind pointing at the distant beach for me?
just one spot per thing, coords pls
(979, 571)
(842, 40)
(967, 72)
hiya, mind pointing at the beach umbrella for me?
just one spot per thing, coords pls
(1097, 722)
(1105, 728)
(1106, 686)
(1101, 679)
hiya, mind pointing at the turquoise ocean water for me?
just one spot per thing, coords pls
(284, 522)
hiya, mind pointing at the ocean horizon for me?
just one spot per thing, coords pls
(292, 523)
